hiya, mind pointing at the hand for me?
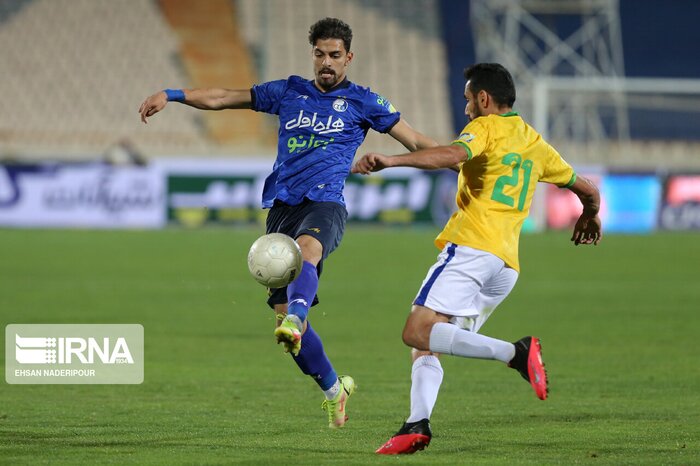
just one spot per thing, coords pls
(587, 230)
(369, 163)
(153, 105)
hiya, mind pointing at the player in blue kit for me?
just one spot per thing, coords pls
(322, 123)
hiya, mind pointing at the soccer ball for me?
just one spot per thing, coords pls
(275, 260)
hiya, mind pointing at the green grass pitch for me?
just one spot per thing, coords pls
(619, 325)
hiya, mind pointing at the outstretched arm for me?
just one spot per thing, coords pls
(427, 159)
(588, 228)
(412, 139)
(204, 99)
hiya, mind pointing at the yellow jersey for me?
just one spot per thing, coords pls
(506, 159)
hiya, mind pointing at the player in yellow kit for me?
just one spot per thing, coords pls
(500, 159)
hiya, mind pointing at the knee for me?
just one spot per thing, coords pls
(311, 248)
(416, 334)
(407, 336)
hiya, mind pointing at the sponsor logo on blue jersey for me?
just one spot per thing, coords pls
(299, 144)
(385, 103)
(319, 125)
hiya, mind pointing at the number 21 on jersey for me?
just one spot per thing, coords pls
(515, 161)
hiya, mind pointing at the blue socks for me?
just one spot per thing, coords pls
(301, 292)
(312, 359)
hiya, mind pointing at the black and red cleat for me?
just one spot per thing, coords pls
(528, 361)
(412, 437)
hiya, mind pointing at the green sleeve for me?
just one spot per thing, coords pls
(464, 146)
(571, 181)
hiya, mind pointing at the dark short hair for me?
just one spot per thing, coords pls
(331, 28)
(494, 79)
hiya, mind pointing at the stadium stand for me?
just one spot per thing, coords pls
(74, 85)
(215, 55)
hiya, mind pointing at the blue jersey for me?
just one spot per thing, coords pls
(318, 136)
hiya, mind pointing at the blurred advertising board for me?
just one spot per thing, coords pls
(89, 195)
(680, 208)
(400, 197)
(200, 192)
(195, 192)
(630, 203)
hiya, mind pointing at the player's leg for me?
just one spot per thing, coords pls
(318, 233)
(426, 378)
(415, 434)
(283, 218)
(300, 295)
(426, 373)
(424, 331)
(287, 219)
(313, 361)
(318, 228)
(466, 285)
(301, 292)
(450, 291)
(528, 351)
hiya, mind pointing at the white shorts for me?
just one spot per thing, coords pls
(467, 284)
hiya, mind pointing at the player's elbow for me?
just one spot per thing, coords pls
(425, 143)
(453, 156)
(209, 99)
(416, 143)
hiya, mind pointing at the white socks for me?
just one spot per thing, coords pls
(426, 377)
(333, 391)
(426, 374)
(295, 320)
(449, 339)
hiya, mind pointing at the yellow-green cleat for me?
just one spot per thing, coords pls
(289, 335)
(336, 407)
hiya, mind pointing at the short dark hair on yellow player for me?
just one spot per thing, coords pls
(494, 79)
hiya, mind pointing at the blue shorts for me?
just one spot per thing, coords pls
(325, 221)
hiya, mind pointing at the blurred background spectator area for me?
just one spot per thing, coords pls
(606, 83)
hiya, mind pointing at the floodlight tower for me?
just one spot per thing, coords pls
(555, 49)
